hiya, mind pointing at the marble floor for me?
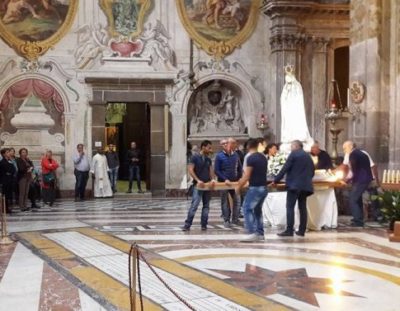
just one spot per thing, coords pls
(74, 256)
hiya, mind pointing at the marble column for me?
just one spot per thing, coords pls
(365, 66)
(176, 158)
(394, 85)
(68, 180)
(319, 85)
(157, 148)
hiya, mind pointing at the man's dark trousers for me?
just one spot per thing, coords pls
(291, 197)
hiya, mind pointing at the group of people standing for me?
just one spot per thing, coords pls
(230, 166)
(251, 171)
(104, 168)
(20, 180)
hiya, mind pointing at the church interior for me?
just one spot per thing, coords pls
(117, 118)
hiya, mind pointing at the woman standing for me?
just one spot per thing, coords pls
(25, 168)
(49, 166)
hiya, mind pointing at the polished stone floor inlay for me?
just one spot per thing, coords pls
(74, 256)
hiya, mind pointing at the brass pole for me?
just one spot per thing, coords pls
(133, 263)
(4, 240)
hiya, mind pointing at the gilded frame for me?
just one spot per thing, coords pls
(220, 48)
(106, 6)
(31, 50)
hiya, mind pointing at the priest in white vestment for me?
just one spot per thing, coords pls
(293, 116)
(99, 169)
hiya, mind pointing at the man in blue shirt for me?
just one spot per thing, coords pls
(228, 169)
(299, 170)
(361, 178)
(255, 174)
(200, 168)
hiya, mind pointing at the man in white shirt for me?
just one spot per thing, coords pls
(81, 172)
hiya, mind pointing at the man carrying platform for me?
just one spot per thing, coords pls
(200, 168)
(255, 174)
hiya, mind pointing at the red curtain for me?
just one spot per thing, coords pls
(39, 88)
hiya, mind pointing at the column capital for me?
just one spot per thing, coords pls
(320, 44)
(287, 42)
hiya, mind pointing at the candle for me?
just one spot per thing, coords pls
(393, 176)
(348, 97)
(397, 176)
(384, 176)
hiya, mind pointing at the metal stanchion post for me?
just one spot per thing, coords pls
(132, 277)
(4, 240)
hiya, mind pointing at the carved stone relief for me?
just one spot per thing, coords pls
(215, 110)
(94, 43)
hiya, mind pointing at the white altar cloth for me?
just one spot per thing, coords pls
(322, 210)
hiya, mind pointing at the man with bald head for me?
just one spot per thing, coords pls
(362, 176)
(324, 160)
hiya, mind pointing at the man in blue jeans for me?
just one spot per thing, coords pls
(200, 168)
(81, 172)
(113, 166)
(228, 169)
(256, 174)
(299, 170)
(133, 156)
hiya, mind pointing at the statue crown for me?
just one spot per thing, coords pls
(289, 69)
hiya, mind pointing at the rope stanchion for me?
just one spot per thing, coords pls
(134, 263)
(165, 284)
(4, 240)
(132, 276)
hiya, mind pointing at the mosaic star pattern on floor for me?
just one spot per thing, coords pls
(74, 256)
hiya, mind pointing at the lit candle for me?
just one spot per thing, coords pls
(384, 176)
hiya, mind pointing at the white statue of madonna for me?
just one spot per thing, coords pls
(293, 116)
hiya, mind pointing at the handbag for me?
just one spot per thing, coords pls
(49, 178)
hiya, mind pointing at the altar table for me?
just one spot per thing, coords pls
(322, 210)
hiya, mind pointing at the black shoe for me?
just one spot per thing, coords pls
(241, 216)
(356, 225)
(285, 233)
(185, 228)
(140, 191)
(129, 191)
(34, 206)
(298, 233)
(203, 228)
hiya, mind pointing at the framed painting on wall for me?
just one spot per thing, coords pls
(219, 26)
(31, 27)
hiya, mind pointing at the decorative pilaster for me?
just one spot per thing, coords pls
(319, 82)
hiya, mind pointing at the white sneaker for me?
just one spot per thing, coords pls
(250, 238)
(260, 237)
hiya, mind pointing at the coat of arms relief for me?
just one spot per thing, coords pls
(128, 34)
